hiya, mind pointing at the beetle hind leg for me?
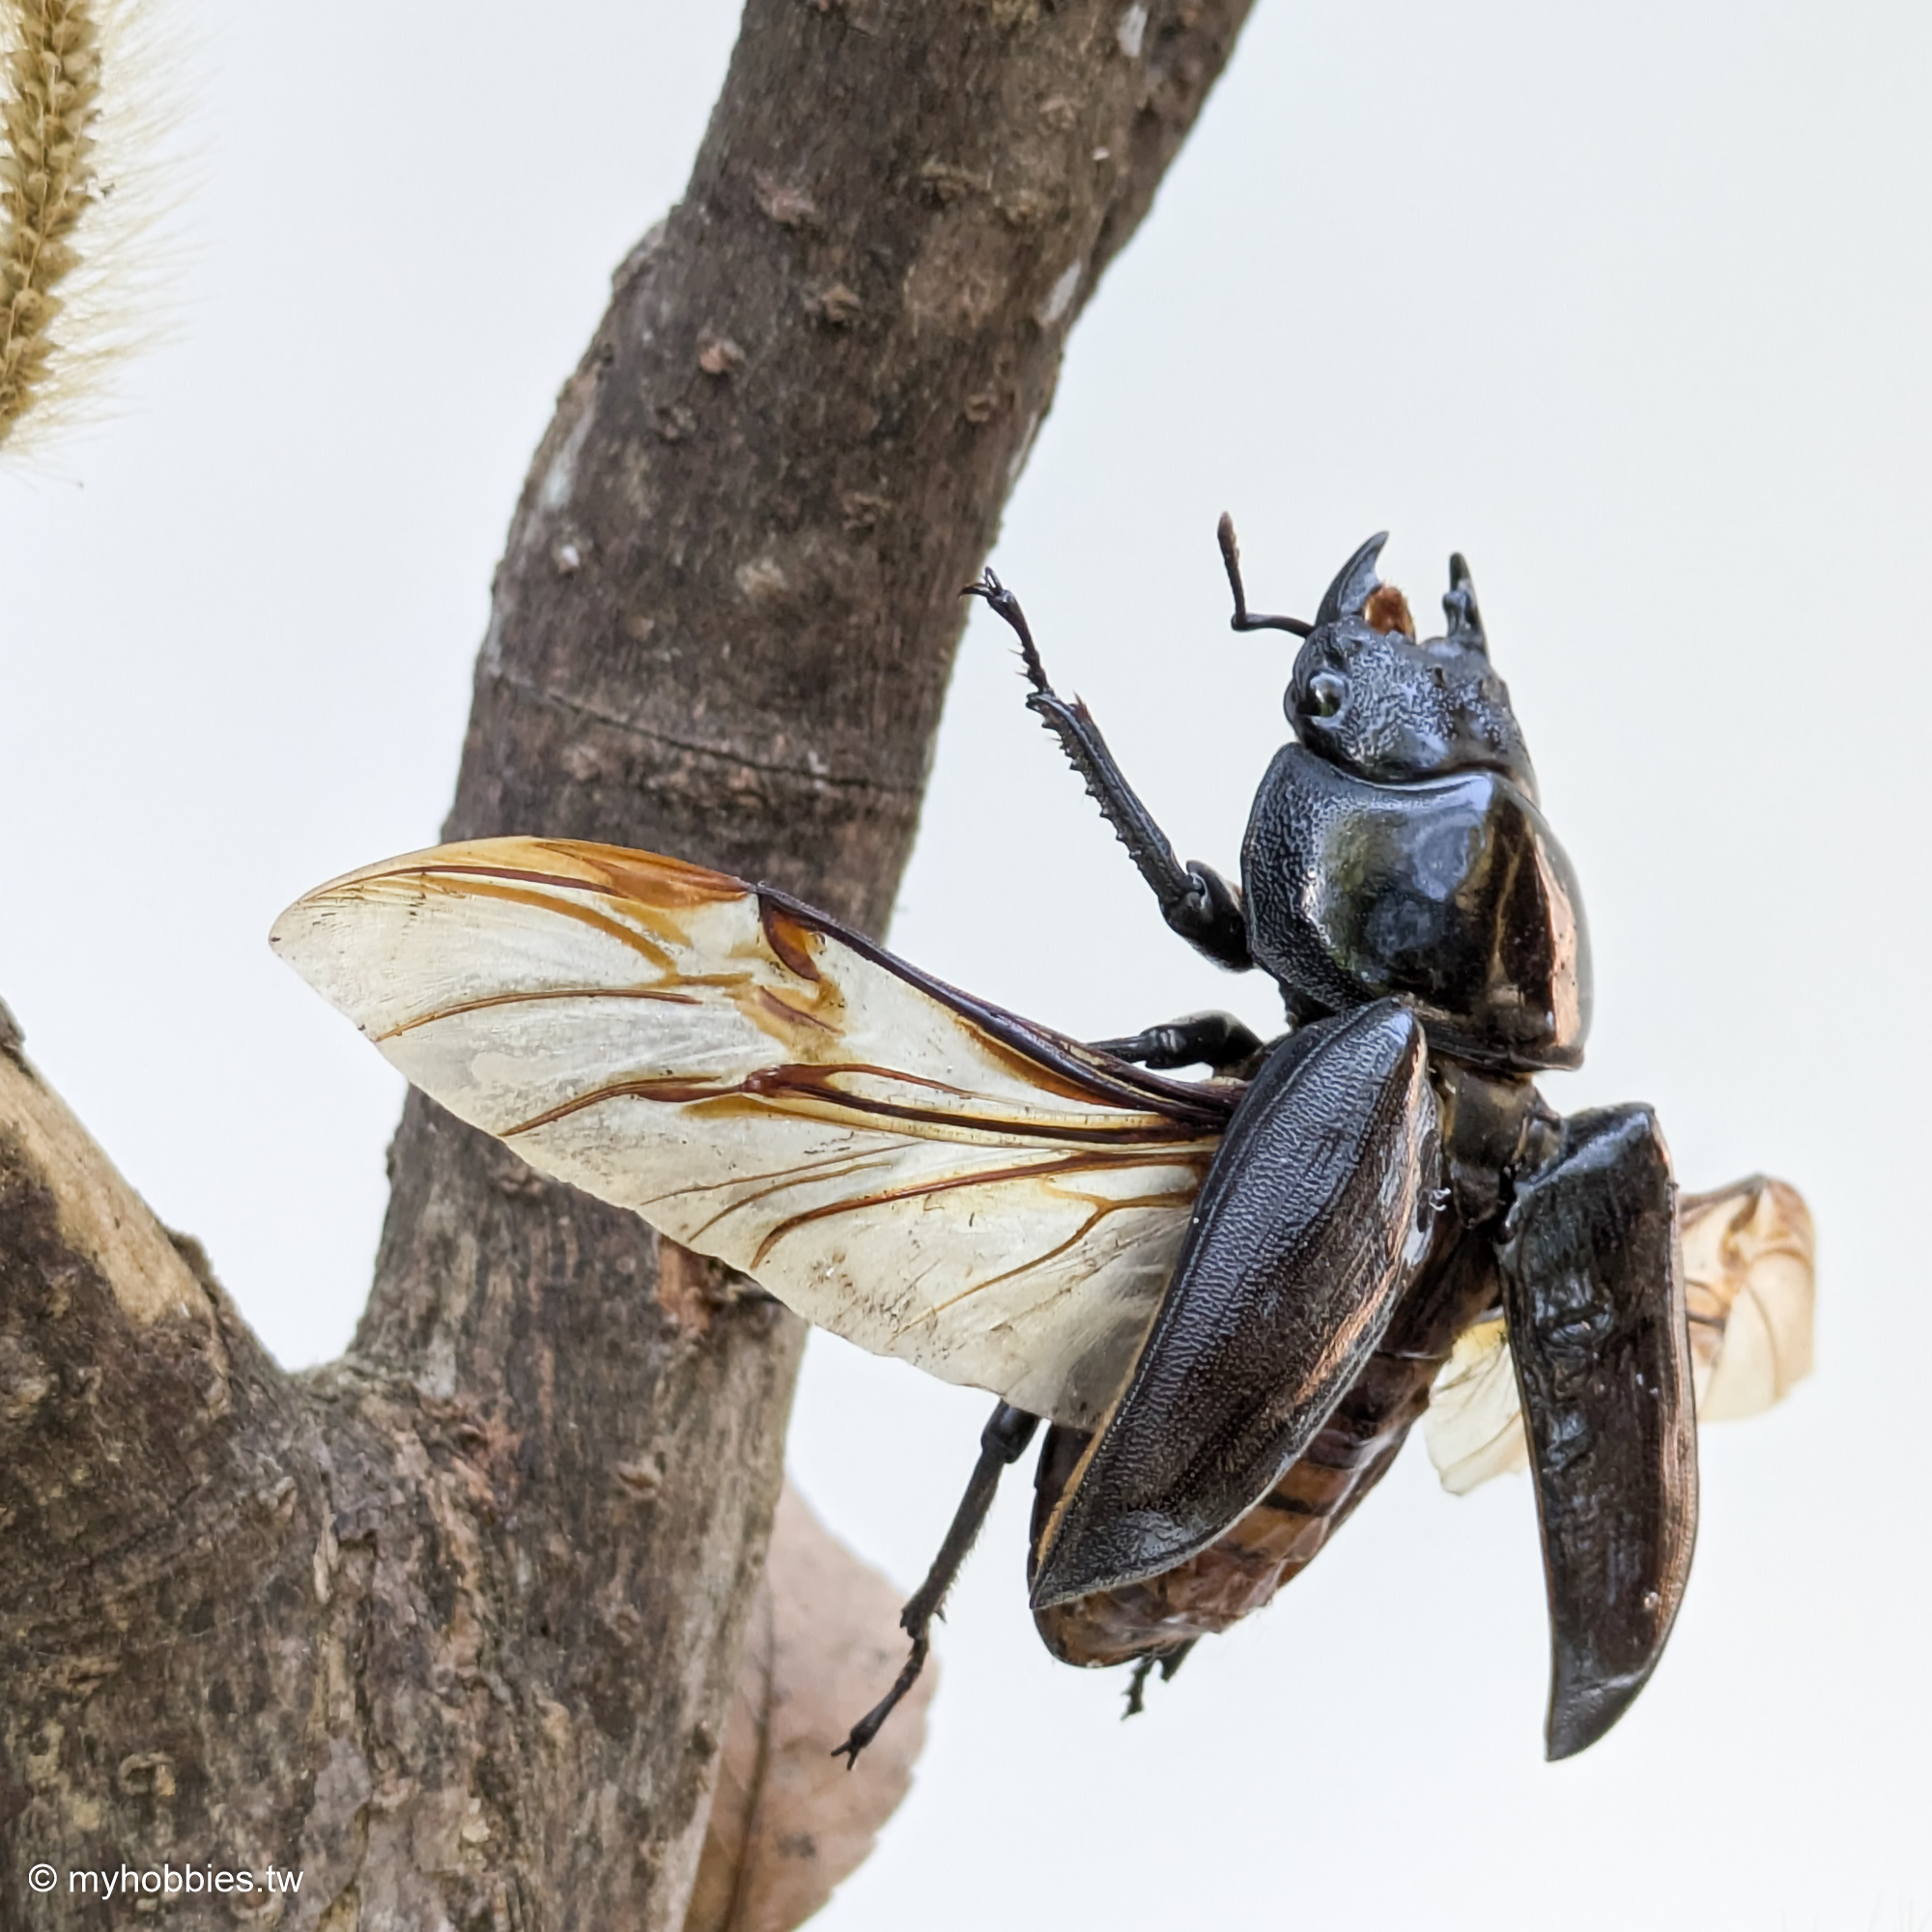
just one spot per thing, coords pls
(1001, 1443)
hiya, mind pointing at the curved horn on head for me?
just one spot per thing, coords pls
(1356, 583)
(1458, 606)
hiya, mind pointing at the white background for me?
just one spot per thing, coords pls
(1627, 303)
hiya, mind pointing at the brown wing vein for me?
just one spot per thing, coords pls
(835, 1168)
(487, 1000)
(1072, 1163)
(774, 1086)
(1044, 1059)
(1102, 1209)
(484, 885)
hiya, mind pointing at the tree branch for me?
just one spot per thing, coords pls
(452, 1624)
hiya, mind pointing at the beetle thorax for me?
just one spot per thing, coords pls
(1397, 849)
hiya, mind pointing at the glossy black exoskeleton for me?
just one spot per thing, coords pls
(1395, 848)
(1390, 1170)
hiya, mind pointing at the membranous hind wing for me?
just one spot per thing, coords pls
(922, 1174)
(1748, 1288)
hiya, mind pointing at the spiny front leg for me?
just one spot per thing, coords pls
(1195, 900)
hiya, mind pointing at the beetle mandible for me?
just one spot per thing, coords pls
(1230, 1297)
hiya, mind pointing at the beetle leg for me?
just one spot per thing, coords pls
(1215, 1040)
(1195, 900)
(1001, 1443)
(1167, 1662)
(1593, 1293)
(1311, 1222)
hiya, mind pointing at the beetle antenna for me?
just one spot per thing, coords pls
(1244, 618)
(1006, 606)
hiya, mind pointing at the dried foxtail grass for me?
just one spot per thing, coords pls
(76, 96)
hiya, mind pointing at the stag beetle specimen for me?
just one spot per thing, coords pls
(1230, 1297)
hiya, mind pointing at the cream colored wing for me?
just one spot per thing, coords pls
(924, 1174)
(1748, 1290)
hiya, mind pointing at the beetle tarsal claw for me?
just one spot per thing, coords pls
(1005, 605)
(873, 1722)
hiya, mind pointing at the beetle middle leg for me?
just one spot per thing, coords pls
(1218, 1041)
(1195, 899)
(1001, 1443)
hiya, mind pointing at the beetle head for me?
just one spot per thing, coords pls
(1365, 695)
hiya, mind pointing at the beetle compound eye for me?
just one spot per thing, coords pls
(1326, 690)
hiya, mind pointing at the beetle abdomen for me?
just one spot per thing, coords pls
(1290, 1527)
(1279, 1537)
(1452, 896)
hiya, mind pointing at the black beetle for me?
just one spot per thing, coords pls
(1230, 1296)
(1424, 926)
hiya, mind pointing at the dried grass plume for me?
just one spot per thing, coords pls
(77, 101)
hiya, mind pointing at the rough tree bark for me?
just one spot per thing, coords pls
(451, 1624)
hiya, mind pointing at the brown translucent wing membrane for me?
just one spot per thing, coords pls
(1748, 1289)
(1749, 1286)
(921, 1173)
